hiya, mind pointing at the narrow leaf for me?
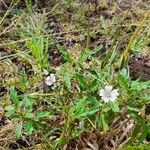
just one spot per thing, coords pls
(115, 106)
(65, 53)
(18, 130)
(14, 96)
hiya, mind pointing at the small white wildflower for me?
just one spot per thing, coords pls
(108, 94)
(51, 79)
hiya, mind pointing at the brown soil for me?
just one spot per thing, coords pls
(139, 66)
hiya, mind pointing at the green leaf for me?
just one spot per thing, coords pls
(93, 101)
(15, 117)
(124, 73)
(123, 82)
(113, 57)
(137, 45)
(77, 132)
(28, 126)
(28, 102)
(106, 108)
(67, 79)
(133, 109)
(25, 56)
(14, 96)
(49, 133)
(137, 147)
(43, 114)
(45, 72)
(95, 72)
(139, 86)
(114, 106)
(82, 81)
(88, 53)
(18, 130)
(10, 111)
(65, 53)
(67, 73)
(86, 113)
(124, 79)
(29, 115)
(39, 49)
(84, 108)
(84, 55)
(111, 54)
(31, 45)
(144, 132)
(104, 123)
(136, 130)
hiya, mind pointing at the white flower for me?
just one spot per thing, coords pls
(51, 79)
(108, 94)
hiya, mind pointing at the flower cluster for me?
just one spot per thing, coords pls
(108, 94)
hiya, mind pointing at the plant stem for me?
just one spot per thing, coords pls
(64, 138)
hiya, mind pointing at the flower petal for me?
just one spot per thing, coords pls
(114, 95)
(102, 92)
(52, 76)
(108, 88)
(113, 98)
(115, 92)
(48, 82)
(105, 99)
